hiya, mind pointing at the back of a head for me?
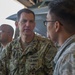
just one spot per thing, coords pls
(64, 11)
(26, 11)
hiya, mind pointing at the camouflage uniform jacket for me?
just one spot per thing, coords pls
(65, 58)
(34, 60)
(1, 47)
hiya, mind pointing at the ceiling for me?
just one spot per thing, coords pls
(30, 3)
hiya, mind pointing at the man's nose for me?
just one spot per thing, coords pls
(27, 23)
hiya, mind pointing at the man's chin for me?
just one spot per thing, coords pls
(26, 34)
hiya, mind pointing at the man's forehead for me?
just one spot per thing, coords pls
(3, 27)
(26, 14)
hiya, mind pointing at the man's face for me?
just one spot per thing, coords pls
(26, 24)
(4, 34)
(51, 33)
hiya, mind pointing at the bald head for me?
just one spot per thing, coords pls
(6, 34)
(7, 28)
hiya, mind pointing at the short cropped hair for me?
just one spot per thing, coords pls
(64, 11)
(10, 29)
(26, 11)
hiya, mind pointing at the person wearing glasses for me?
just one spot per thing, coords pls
(29, 54)
(6, 35)
(60, 24)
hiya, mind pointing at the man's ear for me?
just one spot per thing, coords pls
(57, 26)
(16, 24)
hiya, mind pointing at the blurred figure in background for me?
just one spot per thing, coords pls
(61, 29)
(6, 34)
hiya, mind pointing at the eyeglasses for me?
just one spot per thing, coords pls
(45, 22)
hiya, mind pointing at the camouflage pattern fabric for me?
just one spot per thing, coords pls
(1, 48)
(65, 58)
(35, 59)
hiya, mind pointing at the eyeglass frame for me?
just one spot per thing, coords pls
(45, 22)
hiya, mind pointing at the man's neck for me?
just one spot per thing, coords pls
(4, 44)
(63, 39)
(25, 40)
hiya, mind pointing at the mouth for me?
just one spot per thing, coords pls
(26, 30)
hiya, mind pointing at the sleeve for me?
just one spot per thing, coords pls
(4, 61)
(49, 56)
(67, 66)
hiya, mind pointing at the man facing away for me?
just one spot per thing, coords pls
(29, 54)
(6, 34)
(61, 29)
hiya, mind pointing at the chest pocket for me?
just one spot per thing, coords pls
(34, 63)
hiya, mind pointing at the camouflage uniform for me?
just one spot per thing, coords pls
(1, 47)
(65, 58)
(34, 60)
